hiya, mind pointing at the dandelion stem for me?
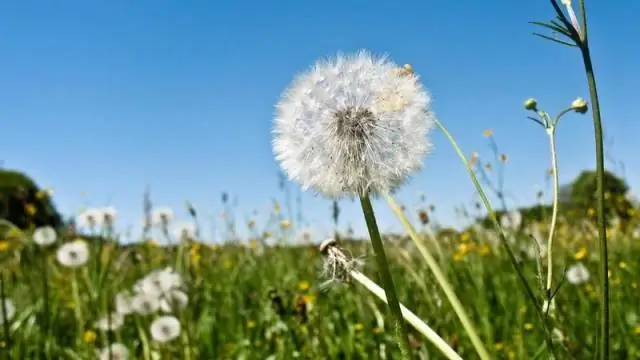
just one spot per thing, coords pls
(554, 214)
(77, 305)
(408, 315)
(441, 279)
(602, 224)
(385, 274)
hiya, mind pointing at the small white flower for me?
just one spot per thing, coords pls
(184, 230)
(159, 282)
(110, 322)
(511, 220)
(353, 124)
(577, 274)
(109, 215)
(9, 309)
(73, 254)
(174, 300)
(123, 303)
(145, 304)
(165, 329)
(91, 218)
(114, 352)
(44, 236)
(161, 216)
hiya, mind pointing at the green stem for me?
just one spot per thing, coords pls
(503, 239)
(441, 279)
(554, 214)
(77, 304)
(602, 224)
(385, 275)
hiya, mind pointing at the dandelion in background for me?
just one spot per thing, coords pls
(511, 220)
(184, 230)
(161, 216)
(110, 322)
(174, 300)
(353, 125)
(73, 254)
(114, 352)
(165, 329)
(109, 215)
(159, 282)
(145, 304)
(90, 218)
(577, 274)
(44, 236)
(9, 311)
(123, 302)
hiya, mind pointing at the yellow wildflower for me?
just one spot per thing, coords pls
(4, 245)
(499, 346)
(581, 253)
(484, 249)
(303, 285)
(465, 236)
(251, 324)
(227, 264)
(89, 336)
(30, 209)
(528, 326)
(285, 224)
(358, 326)
(637, 330)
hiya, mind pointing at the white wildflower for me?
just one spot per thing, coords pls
(73, 254)
(159, 282)
(9, 310)
(44, 236)
(174, 300)
(577, 274)
(110, 322)
(145, 304)
(109, 215)
(123, 302)
(165, 329)
(511, 220)
(91, 218)
(161, 216)
(184, 230)
(115, 351)
(353, 124)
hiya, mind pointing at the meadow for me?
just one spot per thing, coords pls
(266, 299)
(553, 281)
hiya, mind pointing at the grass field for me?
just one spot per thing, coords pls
(250, 301)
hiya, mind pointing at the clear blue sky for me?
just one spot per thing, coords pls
(105, 97)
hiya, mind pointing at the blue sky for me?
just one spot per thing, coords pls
(99, 99)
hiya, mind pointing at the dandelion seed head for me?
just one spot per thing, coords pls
(115, 351)
(174, 300)
(353, 124)
(165, 329)
(110, 322)
(577, 274)
(44, 236)
(73, 254)
(145, 304)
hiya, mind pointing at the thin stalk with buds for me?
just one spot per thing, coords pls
(575, 30)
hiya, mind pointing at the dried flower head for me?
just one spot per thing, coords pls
(44, 236)
(337, 266)
(114, 352)
(352, 125)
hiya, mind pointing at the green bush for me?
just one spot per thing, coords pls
(24, 204)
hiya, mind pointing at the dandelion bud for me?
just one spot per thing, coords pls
(579, 105)
(531, 104)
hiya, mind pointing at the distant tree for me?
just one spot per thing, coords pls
(24, 204)
(583, 195)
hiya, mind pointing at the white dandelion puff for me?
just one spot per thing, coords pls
(110, 322)
(352, 125)
(174, 300)
(90, 218)
(45, 236)
(145, 304)
(109, 215)
(184, 230)
(165, 329)
(577, 274)
(161, 216)
(159, 282)
(123, 303)
(73, 254)
(115, 351)
(9, 310)
(511, 220)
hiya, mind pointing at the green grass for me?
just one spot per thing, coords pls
(251, 302)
